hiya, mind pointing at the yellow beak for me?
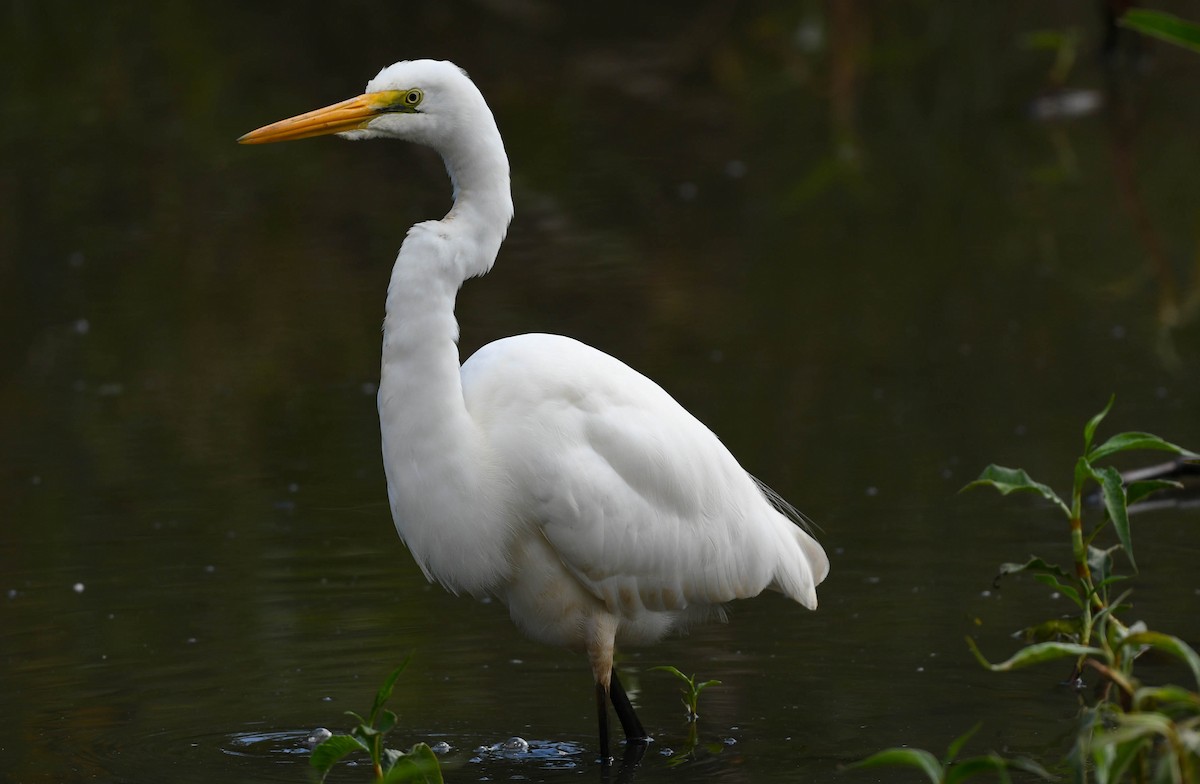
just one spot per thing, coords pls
(345, 116)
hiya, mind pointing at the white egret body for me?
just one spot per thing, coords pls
(545, 472)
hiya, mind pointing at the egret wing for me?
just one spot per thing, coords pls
(640, 500)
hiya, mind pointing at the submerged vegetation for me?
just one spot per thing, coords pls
(418, 764)
(1128, 730)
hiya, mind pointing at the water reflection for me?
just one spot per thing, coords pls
(188, 332)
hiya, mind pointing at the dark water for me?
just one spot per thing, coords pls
(834, 231)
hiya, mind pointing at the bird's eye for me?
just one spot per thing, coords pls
(413, 97)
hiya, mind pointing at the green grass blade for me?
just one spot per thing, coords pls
(1163, 26)
(1013, 480)
(905, 758)
(1034, 654)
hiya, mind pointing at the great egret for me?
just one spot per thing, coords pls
(545, 472)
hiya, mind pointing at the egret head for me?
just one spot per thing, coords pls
(423, 101)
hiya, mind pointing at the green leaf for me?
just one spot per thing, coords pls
(1113, 759)
(1166, 27)
(673, 671)
(905, 758)
(332, 749)
(1034, 564)
(1052, 629)
(976, 765)
(701, 686)
(957, 744)
(420, 764)
(1113, 492)
(1012, 480)
(1030, 766)
(1034, 654)
(1124, 442)
(1100, 563)
(1159, 697)
(1167, 644)
(385, 691)
(1136, 491)
(1089, 430)
(1068, 591)
(1133, 726)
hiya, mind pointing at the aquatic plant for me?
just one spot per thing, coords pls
(691, 701)
(1131, 731)
(1164, 26)
(948, 769)
(418, 764)
(690, 690)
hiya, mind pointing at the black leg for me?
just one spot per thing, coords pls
(602, 709)
(634, 732)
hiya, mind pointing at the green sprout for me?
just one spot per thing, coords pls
(418, 764)
(690, 691)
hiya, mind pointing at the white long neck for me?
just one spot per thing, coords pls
(437, 464)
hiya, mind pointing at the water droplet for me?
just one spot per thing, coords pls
(441, 747)
(317, 737)
(516, 744)
(81, 326)
(77, 587)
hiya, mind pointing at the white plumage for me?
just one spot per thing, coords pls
(545, 472)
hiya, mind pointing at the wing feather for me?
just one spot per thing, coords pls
(641, 502)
